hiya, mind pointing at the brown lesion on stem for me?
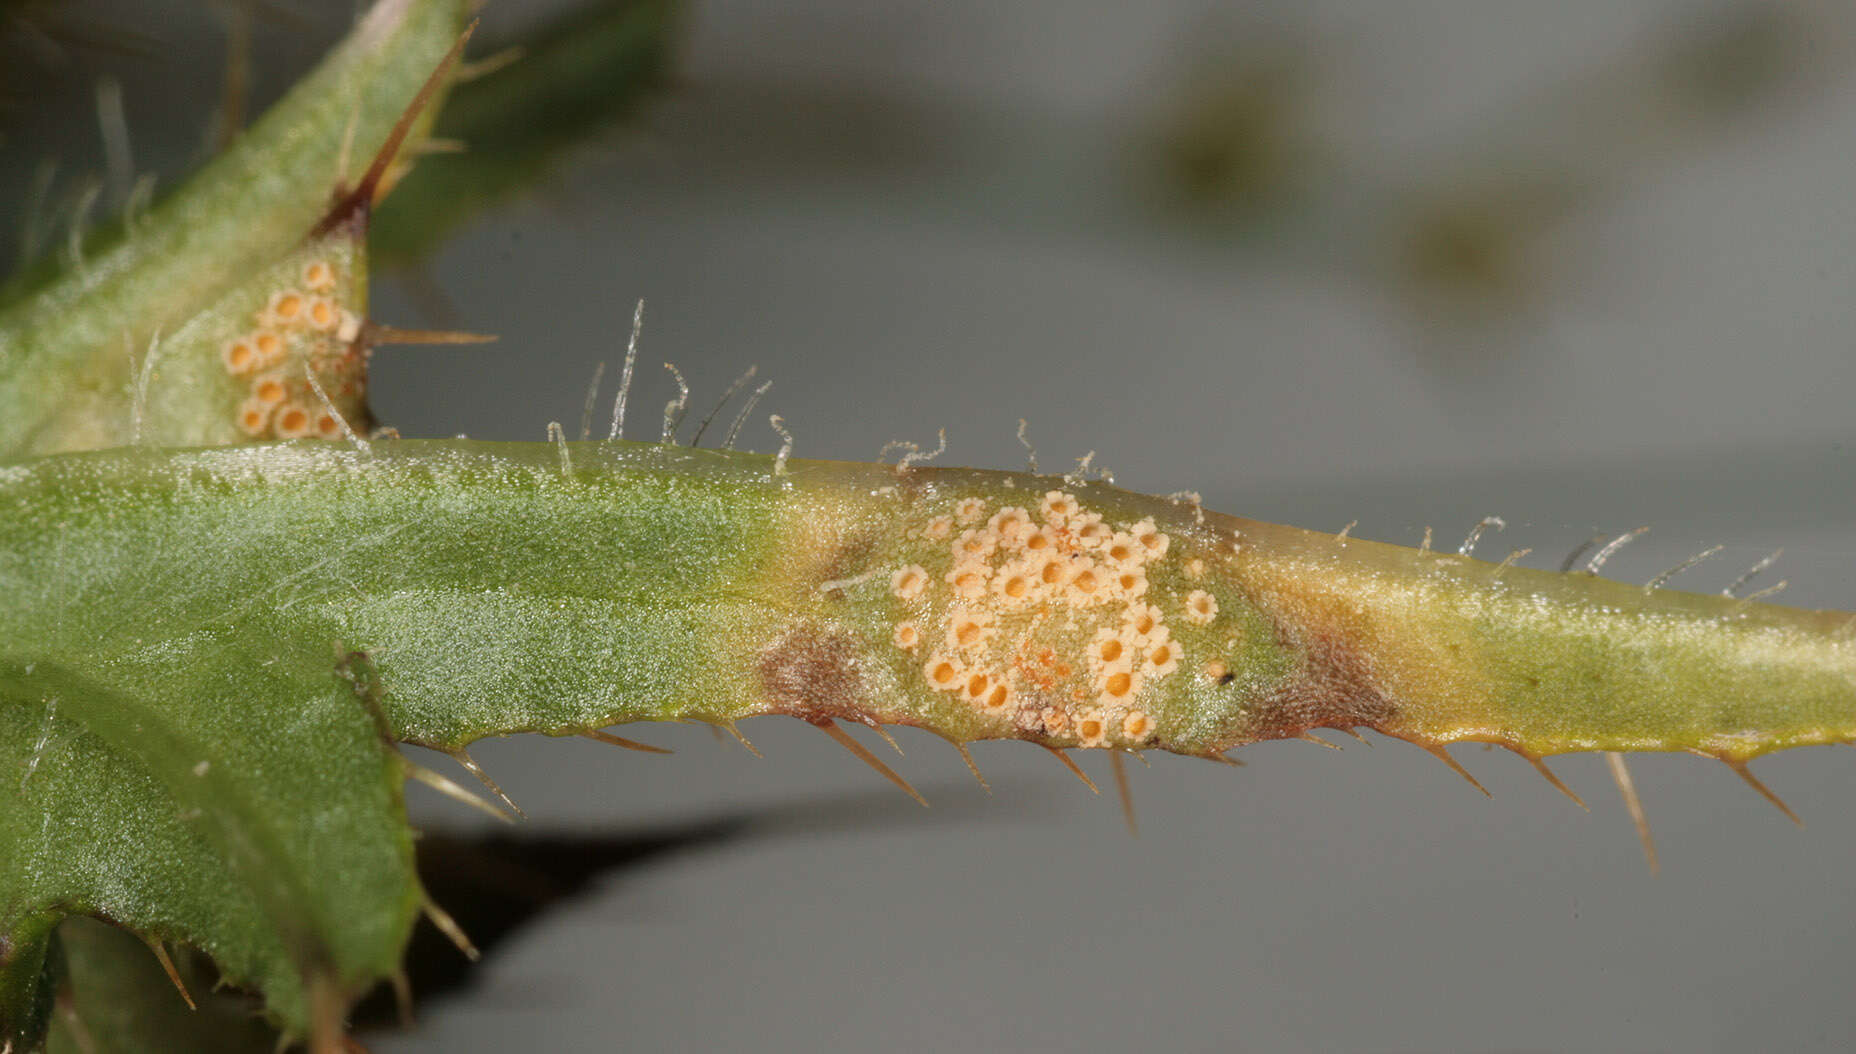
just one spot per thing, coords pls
(815, 674)
(1332, 687)
(846, 560)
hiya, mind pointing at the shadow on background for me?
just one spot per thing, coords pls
(496, 884)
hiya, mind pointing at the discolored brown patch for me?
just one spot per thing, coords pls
(1333, 687)
(845, 560)
(814, 674)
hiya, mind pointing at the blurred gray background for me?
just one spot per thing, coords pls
(1584, 265)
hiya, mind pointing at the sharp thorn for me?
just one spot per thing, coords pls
(621, 741)
(1752, 781)
(1540, 766)
(360, 200)
(448, 926)
(1070, 763)
(863, 754)
(1125, 791)
(1310, 737)
(967, 756)
(1444, 756)
(1355, 733)
(743, 740)
(167, 967)
(376, 334)
(887, 738)
(449, 788)
(1620, 774)
(470, 764)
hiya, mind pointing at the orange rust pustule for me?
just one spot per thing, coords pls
(816, 675)
(1333, 687)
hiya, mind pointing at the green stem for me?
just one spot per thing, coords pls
(503, 588)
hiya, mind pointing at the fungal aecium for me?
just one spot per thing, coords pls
(501, 590)
(1038, 620)
(298, 320)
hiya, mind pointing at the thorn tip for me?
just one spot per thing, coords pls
(1540, 766)
(1627, 787)
(863, 754)
(1741, 770)
(1125, 791)
(967, 756)
(462, 757)
(448, 926)
(167, 967)
(1075, 770)
(449, 788)
(620, 741)
(1438, 752)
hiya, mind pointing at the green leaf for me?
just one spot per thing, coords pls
(221, 793)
